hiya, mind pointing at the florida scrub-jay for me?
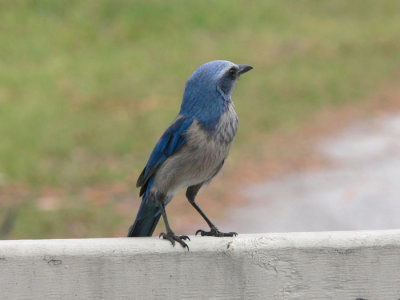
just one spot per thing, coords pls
(192, 150)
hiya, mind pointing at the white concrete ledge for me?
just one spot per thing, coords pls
(324, 265)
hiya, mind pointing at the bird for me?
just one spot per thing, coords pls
(192, 150)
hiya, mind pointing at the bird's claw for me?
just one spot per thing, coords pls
(170, 236)
(215, 232)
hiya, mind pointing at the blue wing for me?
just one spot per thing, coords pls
(170, 142)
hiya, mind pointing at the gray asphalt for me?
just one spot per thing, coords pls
(360, 190)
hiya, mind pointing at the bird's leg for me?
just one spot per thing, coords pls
(191, 193)
(170, 235)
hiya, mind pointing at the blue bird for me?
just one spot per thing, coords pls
(192, 150)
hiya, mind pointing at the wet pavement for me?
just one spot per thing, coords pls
(359, 190)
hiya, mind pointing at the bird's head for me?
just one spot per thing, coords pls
(209, 89)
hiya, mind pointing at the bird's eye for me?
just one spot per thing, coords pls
(232, 71)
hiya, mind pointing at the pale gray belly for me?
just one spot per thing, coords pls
(199, 160)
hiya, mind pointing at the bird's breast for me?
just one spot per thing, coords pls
(220, 135)
(202, 156)
(212, 147)
(227, 126)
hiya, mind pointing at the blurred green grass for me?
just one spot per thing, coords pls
(87, 87)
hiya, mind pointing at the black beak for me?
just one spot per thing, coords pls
(244, 68)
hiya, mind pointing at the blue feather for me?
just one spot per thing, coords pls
(147, 217)
(203, 99)
(170, 142)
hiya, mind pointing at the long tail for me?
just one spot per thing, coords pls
(147, 217)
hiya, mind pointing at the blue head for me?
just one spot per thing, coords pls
(208, 91)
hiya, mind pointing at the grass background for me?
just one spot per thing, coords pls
(87, 88)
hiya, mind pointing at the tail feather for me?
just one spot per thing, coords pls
(147, 217)
(146, 221)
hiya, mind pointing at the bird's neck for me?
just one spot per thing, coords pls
(211, 122)
(207, 112)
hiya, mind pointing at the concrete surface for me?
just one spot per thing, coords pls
(329, 265)
(361, 190)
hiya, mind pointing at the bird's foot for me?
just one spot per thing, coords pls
(215, 232)
(170, 236)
